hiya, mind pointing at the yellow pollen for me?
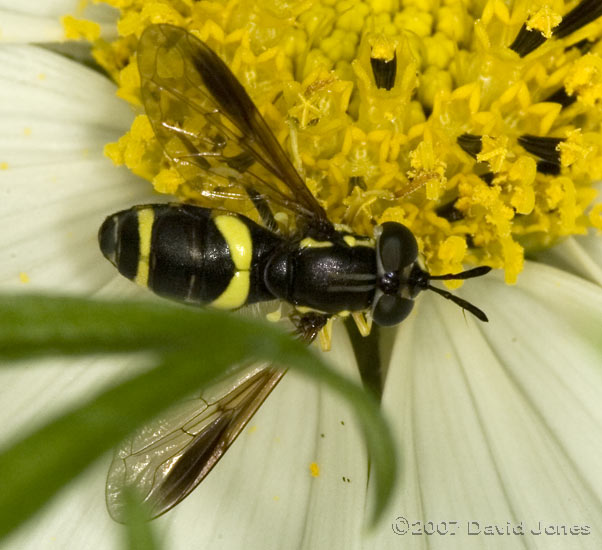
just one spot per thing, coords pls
(76, 29)
(314, 470)
(595, 217)
(544, 20)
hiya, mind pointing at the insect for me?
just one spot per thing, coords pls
(214, 135)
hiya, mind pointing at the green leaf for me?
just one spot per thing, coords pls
(138, 530)
(192, 349)
(37, 325)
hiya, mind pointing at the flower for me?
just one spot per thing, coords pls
(497, 424)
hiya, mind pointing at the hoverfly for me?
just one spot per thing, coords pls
(212, 132)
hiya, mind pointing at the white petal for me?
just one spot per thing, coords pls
(30, 396)
(501, 422)
(77, 519)
(45, 8)
(581, 255)
(33, 394)
(35, 21)
(56, 186)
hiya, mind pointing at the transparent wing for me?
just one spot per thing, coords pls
(169, 457)
(210, 128)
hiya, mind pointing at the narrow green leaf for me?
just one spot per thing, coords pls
(193, 348)
(139, 532)
(42, 325)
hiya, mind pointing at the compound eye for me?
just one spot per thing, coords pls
(396, 247)
(391, 309)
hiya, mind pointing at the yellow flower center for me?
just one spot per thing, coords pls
(483, 149)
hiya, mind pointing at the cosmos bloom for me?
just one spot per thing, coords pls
(497, 424)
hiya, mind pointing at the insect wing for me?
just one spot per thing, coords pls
(168, 458)
(210, 128)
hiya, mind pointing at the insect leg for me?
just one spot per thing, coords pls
(263, 208)
(308, 325)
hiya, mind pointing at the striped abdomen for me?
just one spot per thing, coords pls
(190, 254)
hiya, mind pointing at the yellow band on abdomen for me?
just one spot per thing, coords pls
(146, 217)
(238, 238)
(236, 292)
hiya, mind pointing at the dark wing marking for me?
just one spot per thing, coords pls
(169, 457)
(210, 128)
(166, 460)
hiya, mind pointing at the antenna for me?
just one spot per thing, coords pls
(468, 274)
